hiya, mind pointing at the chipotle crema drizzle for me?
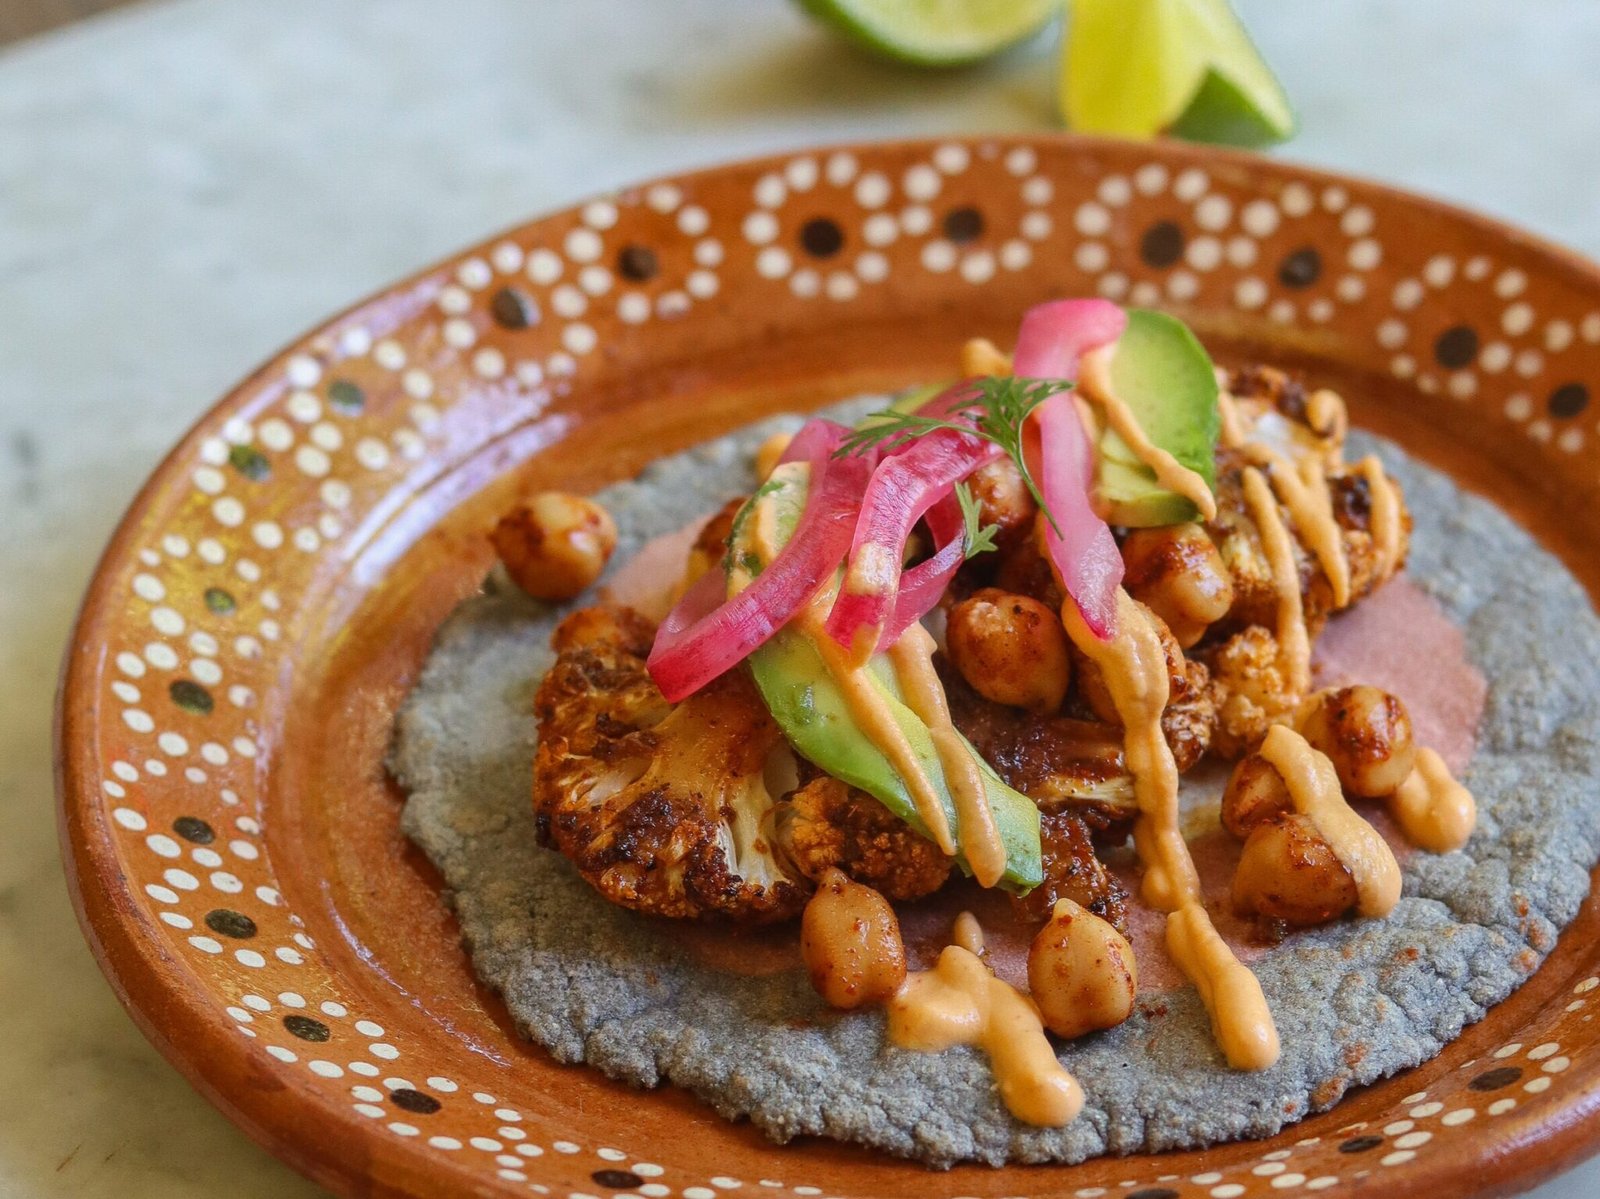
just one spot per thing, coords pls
(959, 1000)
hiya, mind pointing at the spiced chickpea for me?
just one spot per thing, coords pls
(1003, 498)
(1081, 972)
(1010, 649)
(850, 942)
(1366, 733)
(769, 452)
(1024, 566)
(555, 544)
(980, 356)
(1177, 573)
(1288, 872)
(1255, 794)
(711, 543)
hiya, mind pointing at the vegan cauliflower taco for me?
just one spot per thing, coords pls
(971, 776)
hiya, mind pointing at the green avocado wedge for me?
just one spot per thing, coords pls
(1166, 377)
(815, 717)
(813, 714)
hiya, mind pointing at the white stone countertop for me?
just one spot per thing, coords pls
(185, 186)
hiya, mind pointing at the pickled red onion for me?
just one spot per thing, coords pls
(701, 639)
(924, 584)
(1079, 544)
(1084, 553)
(905, 485)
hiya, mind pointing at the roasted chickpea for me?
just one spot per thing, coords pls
(980, 356)
(1081, 972)
(556, 544)
(1366, 733)
(1255, 794)
(1003, 499)
(850, 941)
(1010, 649)
(1024, 567)
(771, 450)
(1177, 573)
(711, 543)
(1288, 872)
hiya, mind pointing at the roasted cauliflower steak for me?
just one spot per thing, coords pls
(665, 809)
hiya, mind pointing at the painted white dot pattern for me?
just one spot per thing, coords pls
(890, 219)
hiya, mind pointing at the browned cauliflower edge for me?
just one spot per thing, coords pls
(827, 824)
(663, 809)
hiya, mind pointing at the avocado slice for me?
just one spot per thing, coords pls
(1166, 377)
(915, 397)
(815, 717)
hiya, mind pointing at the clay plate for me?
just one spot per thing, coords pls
(230, 833)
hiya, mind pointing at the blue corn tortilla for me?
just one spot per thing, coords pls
(1355, 1001)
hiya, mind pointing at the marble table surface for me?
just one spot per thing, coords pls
(184, 186)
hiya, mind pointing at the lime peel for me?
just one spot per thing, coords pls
(1137, 68)
(934, 33)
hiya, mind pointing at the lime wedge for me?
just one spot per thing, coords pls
(934, 33)
(1136, 68)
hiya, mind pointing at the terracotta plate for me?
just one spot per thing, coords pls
(231, 835)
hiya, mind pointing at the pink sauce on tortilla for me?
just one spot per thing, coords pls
(645, 582)
(1398, 639)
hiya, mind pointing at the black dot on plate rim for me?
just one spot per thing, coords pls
(963, 224)
(228, 923)
(191, 696)
(821, 237)
(1493, 1080)
(414, 1101)
(1568, 400)
(513, 308)
(219, 601)
(306, 1028)
(346, 397)
(1162, 245)
(250, 462)
(617, 1180)
(637, 263)
(1360, 1144)
(1456, 347)
(192, 828)
(1154, 1193)
(1300, 268)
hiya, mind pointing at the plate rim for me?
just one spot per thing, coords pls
(1523, 1153)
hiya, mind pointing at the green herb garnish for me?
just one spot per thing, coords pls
(979, 536)
(998, 413)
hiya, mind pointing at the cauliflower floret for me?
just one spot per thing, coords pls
(1073, 871)
(1252, 690)
(664, 809)
(828, 824)
(1280, 410)
(1054, 761)
(1190, 714)
(1352, 508)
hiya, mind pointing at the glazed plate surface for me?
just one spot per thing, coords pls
(231, 835)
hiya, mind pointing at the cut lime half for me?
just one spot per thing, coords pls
(934, 33)
(1136, 68)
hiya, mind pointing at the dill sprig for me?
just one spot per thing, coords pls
(979, 537)
(996, 413)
